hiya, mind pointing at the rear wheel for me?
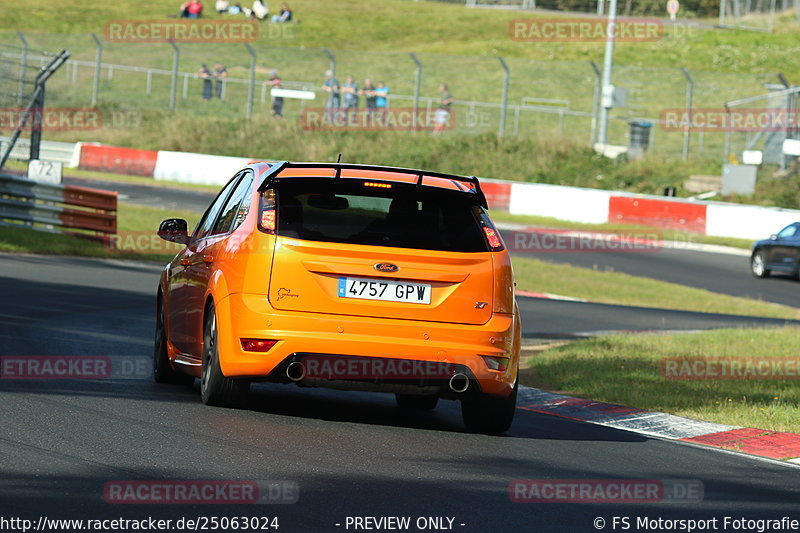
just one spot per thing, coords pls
(489, 414)
(215, 388)
(417, 403)
(162, 370)
(758, 265)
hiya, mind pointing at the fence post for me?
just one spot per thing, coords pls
(97, 59)
(173, 88)
(417, 83)
(149, 82)
(596, 105)
(332, 59)
(251, 86)
(23, 64)
(727, 146)
(687, 131)
(506, 78)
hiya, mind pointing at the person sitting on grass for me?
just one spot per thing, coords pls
(221, 6)
(192, 9)
(285, 15)
(260, 11)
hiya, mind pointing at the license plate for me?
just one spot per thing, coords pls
(386, 290)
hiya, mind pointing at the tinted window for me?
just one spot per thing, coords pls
(789, 231)
(206, 223)
(401, 216)
(236, 207)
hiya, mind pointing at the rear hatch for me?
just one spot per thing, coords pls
(380, 249)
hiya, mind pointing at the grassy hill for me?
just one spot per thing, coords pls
(441, 28)
(456, 45)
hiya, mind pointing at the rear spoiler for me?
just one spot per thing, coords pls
(278, 167)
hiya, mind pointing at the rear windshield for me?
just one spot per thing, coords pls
(378, 214)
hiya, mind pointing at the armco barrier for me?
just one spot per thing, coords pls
(57, 208)
(661, 213)
(117, 159)
(197, 168)
(64, 153)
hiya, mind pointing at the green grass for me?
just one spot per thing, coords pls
(433, 27)
(664, 234)
(136, 231)
(627, 370)
(624, 289)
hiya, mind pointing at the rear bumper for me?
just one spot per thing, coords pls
(443, 345)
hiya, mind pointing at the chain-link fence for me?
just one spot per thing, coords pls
(544, 98)
(757, 15)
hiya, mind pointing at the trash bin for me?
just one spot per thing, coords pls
(640, 135)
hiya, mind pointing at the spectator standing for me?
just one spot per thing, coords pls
(332, 105)
(381, 98)
(285, 14)
(369, 99)
(220, 73)
(442, 116)
(206, 76)
(274, 82)
(350, 90)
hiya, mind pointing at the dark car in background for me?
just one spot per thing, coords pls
(780, 253)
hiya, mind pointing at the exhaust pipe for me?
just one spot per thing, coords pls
(295, 371)
(459, 383)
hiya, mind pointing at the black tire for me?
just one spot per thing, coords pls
(758, 265)
(215, 388)
(417, 403)
(489, 414)
(162, 370)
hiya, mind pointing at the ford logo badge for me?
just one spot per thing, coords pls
(386, 267)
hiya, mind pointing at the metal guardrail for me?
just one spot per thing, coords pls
(48, 150)
(82, 211)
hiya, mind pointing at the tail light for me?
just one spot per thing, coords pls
(267, 216)
(257, 345)
(493, 238)
(496, 363)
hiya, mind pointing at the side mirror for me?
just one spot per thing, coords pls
(773, 237)
(174, 230)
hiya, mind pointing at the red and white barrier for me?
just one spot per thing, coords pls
(197, 168)
(117, 159)
(658, 212)
(594, 206)
(556, 201)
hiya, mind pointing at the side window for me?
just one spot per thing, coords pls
(788, 231)
(207, 222)
(231, 215)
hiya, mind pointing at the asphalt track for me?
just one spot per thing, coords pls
(351, 454)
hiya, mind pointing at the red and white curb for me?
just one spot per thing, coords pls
(759, 442)
(615, 241)
(550, 296)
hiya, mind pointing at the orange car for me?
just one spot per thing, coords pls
(344, 276)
